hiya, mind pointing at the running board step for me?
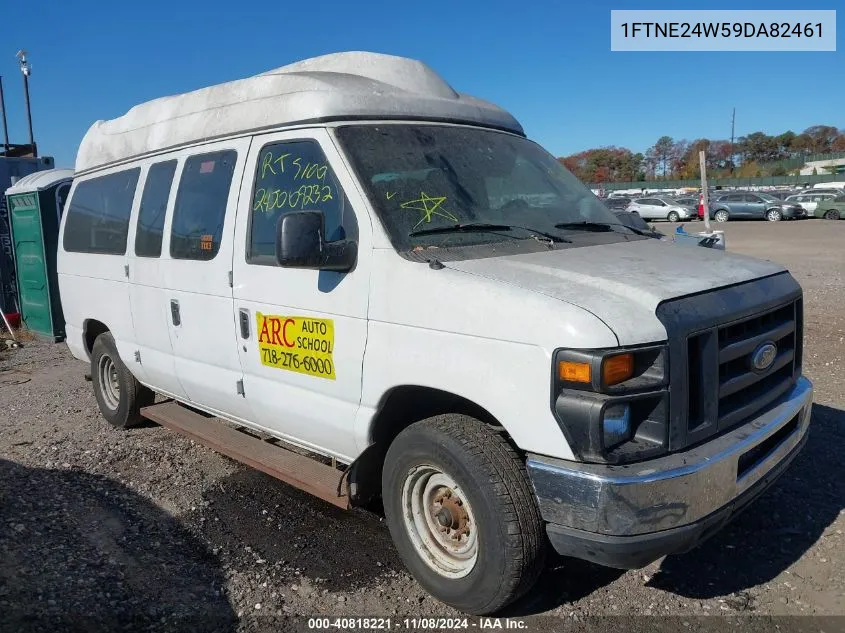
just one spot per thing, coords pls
(297, 470)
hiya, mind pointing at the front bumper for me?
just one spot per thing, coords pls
(627, 516)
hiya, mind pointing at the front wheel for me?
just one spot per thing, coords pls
(673, 216)
(119, 395)
(462, 514)
(721, 216)
(773, 215)
(831, 215)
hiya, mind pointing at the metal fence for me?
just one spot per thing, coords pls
(762, 181)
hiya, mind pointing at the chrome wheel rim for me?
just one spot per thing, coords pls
(109, 382)
(774, 216)
(440, 522)
(721, 216)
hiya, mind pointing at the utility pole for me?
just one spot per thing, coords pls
(705, 198)
(3, 112)
(733, 121)
(26, 71)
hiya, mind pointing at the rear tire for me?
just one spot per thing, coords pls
(831, 215)
(721, 216)
(673, 216)
(119, 395)
(462, 513)
(773, 215)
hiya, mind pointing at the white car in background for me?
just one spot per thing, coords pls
(660, 208)
(810, 200)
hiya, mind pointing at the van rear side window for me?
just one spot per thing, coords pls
(98, 217)
(201, 205)
(153, 208)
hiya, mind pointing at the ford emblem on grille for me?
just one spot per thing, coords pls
(764, 356)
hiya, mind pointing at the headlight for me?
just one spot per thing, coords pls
(612, 405)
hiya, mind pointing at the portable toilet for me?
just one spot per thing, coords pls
(12, 169)
(35, 204)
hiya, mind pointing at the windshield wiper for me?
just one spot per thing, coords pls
(596, 227)
(483, 226)
(458, 228)
(602, 227)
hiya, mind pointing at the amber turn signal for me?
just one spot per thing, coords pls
(616, 369)
(574, 372)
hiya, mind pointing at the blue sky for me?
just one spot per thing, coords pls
(547, 62)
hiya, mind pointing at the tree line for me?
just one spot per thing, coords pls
(757, 154)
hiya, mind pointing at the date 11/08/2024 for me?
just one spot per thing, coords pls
(415, 624)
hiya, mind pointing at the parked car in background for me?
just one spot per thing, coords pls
(831, 209)
(655, 208)
(838, 185)
(834, 190)
(617, 204)
(810, 200)
(688, 201)
(782, 194)
(747, 205)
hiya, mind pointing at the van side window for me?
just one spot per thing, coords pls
(201, 205)
(153, 208)
(291, 176)
(98, 217)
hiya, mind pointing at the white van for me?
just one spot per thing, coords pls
(347, 274)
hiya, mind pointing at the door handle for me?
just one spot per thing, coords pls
(174, 312)
(243, 317)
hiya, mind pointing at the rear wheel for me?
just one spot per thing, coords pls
(673, 216)
(721, 216)
(119, 396)
(462, 514)
(774, 215)
(833, 214)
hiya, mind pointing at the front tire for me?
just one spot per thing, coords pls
(462, 513)
(119, 395)
(773, 215)
(831, 215)
(673, 216)
(721, 216)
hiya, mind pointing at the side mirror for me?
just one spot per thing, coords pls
(300, 243)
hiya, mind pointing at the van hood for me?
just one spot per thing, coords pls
(622, 284)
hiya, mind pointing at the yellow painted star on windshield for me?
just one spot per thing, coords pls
(430, 207)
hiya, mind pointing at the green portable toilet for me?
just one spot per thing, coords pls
(35, 204)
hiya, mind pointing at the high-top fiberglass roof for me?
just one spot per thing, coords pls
(341, 86)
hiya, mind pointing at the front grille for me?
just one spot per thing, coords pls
(711, 337)
(724, 388)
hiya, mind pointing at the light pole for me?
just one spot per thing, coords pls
(3, 112)
(26, 71)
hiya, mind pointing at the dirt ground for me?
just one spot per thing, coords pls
(102, 529)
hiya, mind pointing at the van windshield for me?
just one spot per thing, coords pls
(450, 186)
